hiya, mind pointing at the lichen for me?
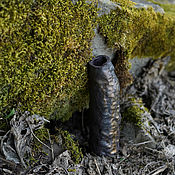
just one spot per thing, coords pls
(171, 64)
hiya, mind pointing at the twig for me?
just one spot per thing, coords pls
(9, 162)
(142, 143)
(7, 171)
(153, 150)
(29, 170)
(51, 145)
(110, 173)
(64, 169)
(151, 163)
(124, 159)
(97, 167)
(41, 141)
(37, 137)
(158, 170)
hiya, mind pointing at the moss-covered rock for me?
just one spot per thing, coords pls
(137, 122)
(72, 146)
(44, 49)
(134, 112)
(137, 32)
(45, 46)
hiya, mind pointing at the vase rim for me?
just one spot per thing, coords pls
(100, 61)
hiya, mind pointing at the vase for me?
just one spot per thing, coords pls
(104, 107)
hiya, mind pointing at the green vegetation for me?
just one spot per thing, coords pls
(44, 49)
(134, 112)
(65, 140)
(169, 10)
(72, 146)
(43, 135)
(137, 32)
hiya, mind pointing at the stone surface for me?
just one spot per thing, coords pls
(99, 47)
(106, 6)
(145, 4)
(137, 65)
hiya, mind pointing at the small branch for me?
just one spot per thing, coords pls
(64, 169)
(51, 145)
(142, 143)
(150, 164)
(9, 162)
(158, 170)
(37, 137)
(153, 150)
(110, 173)
(97, 167)
(124, 159)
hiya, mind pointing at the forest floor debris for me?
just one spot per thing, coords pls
(156, 87)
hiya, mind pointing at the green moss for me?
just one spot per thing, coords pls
(124, 3)
(134, 112)
(72, 146)
(44, 49)
(137, 32)
(169, 10)
(37, 145)
(5, 121)
(4, 126)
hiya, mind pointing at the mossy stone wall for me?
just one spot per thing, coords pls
(45, 48)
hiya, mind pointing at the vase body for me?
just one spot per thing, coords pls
(104, 107)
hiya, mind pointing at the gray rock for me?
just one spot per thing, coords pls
(137, 65)
(106, 6)
(146, 4)
(99, 47)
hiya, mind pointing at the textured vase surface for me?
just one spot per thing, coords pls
(104, 106)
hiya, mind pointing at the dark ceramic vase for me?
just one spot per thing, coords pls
(104, 107)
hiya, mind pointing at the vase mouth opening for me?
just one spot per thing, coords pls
(100, 60)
